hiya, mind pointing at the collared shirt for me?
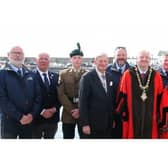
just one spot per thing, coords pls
(103, 80)
(100, 74)
(16, 69)
(142, 72)
(164, 71)
(42, 76)
(121, 67)
(76, 70)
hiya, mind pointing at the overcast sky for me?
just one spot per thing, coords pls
(55, 26)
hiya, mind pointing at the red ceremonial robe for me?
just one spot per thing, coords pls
(140, 118)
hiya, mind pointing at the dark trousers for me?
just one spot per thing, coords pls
(117, 131)
(44, 130)
(11, 129)
(69, 130)
(98, 135)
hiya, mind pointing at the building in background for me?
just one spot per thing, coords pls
(59, 63)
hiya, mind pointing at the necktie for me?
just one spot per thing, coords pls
(77, 74)
(46, 82)
(120, 70)
(19, 72)
(143, 77)
(104, 82)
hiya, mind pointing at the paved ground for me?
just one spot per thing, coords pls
(59, 134)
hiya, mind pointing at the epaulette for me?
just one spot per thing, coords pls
(70, 70)
(84, 70)
(64, 71)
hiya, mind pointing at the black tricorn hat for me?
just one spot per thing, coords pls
(76, 51)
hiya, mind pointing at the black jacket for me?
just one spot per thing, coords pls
(50, 97)
(96, 106)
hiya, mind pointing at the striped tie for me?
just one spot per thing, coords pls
(143, 77)
(46, 82)
(104, 82)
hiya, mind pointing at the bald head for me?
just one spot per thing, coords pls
(101, 62)
(43, 61)
(120, 55)
(143, 59)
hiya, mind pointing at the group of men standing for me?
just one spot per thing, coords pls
(109, 101)
(28, 99)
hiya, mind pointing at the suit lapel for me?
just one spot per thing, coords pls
(108, 80)
(114, 66)
(25, 71)
(50, 78)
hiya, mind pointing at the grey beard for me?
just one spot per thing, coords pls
(16, 63)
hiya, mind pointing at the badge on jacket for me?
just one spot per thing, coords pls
(29, 78)
(111, 83)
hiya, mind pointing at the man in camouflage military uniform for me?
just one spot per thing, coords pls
(68, 94)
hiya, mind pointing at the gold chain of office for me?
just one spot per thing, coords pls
(146, 86)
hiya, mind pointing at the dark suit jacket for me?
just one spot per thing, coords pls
(96, 106)
(49, 98)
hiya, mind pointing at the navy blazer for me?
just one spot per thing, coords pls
(50, 97)
(96, 106)
(18, 95)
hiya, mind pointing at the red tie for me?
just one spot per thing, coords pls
(143, 77)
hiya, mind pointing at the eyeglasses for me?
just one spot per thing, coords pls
(17, 53)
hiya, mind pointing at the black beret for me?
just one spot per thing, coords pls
(76, 51)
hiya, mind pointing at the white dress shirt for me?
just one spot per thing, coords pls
(102, 79)
(42, 76)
